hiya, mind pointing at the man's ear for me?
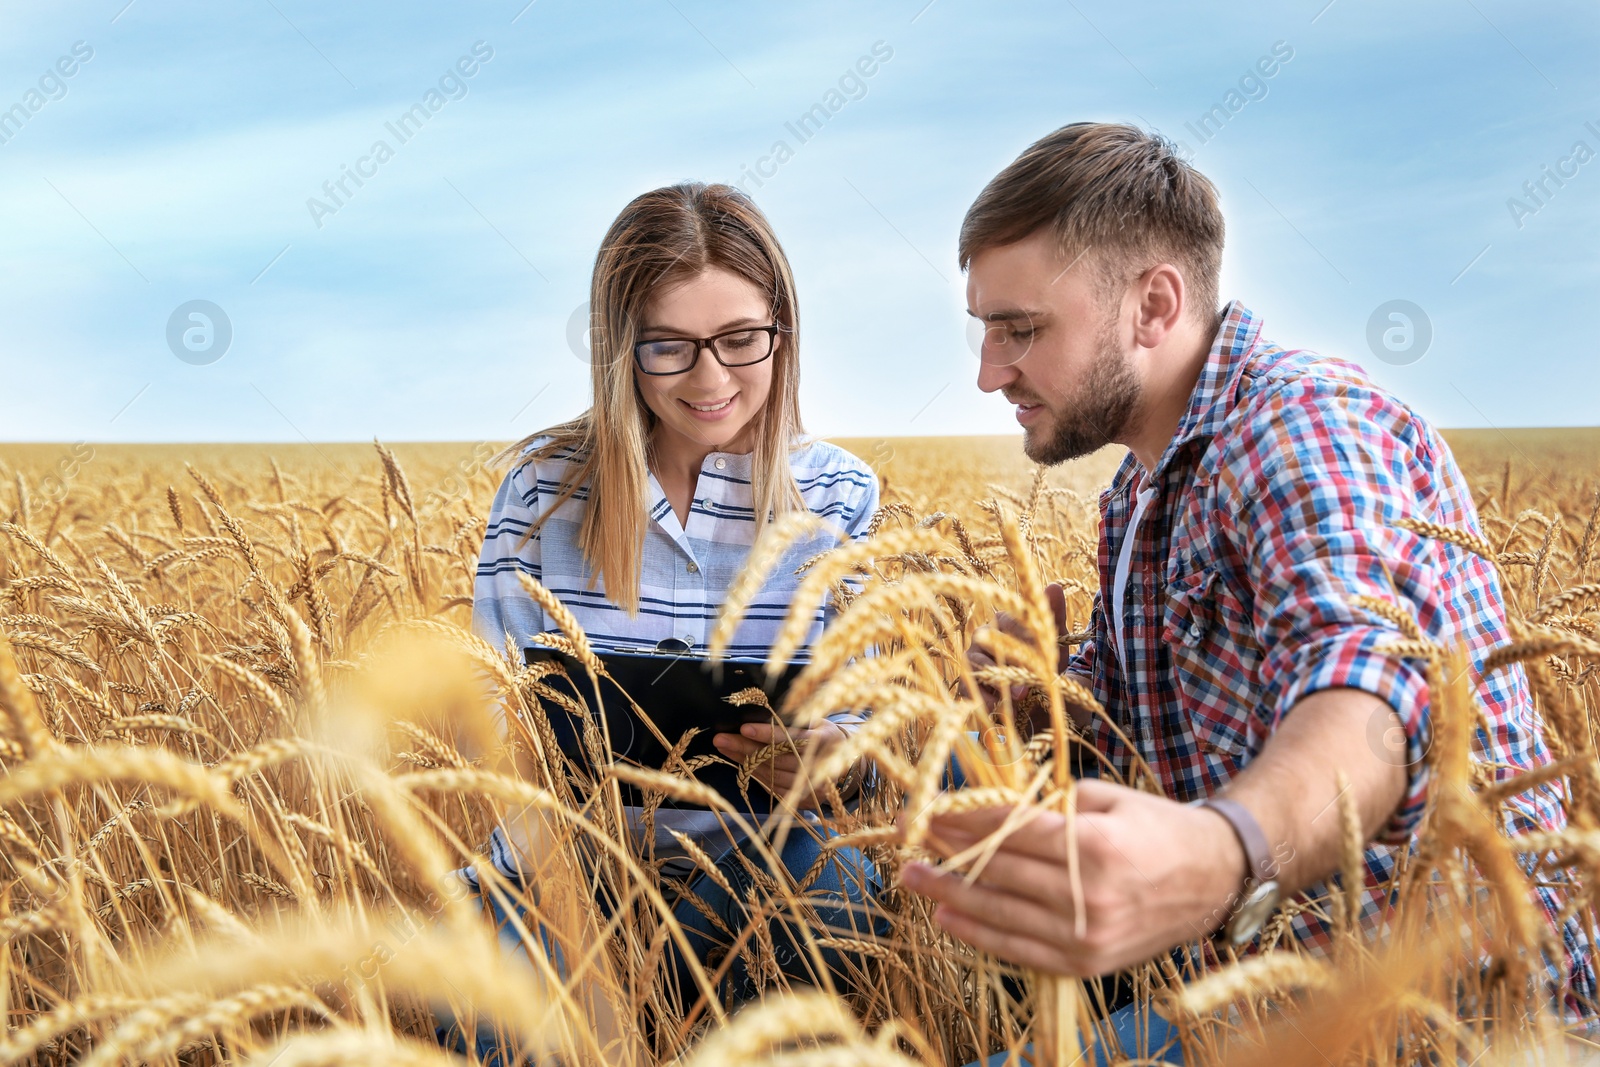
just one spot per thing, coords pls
(1162, 299)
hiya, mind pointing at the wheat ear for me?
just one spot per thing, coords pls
(562, 616)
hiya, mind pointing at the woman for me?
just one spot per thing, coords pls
(640, 513)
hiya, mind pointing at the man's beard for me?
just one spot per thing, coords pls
(1102, 411)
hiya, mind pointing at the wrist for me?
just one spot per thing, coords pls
(849, 784)
(1255, 892)
(1227, 869)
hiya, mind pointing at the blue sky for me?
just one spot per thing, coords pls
(176, 162)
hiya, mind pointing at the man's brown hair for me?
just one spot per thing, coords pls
(1113, 193)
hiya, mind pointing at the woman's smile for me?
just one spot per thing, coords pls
(710, 410)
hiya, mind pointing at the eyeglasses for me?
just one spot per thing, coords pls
(734, 348)
(1001, 342)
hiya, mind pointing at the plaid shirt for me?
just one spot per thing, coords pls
(1273, 506)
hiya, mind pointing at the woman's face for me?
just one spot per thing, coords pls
(708, 407)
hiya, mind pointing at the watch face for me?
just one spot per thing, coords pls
(1253, 913)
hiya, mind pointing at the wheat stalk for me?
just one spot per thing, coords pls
(565, 622)
(1257, 976)
(125, 892)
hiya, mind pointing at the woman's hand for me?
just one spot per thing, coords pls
(782, 771)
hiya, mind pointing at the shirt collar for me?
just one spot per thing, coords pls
(736, 467)
(734, 464)
(1231, 347)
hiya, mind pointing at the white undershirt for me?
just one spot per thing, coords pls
(1119, 584)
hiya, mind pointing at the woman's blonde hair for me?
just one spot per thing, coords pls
(662, 238)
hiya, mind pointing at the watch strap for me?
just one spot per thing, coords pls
(1258, 854)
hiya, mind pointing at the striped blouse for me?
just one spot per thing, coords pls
(685, 573)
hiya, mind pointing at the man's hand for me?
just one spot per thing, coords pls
(1155, 873)
(978, 658)
(780, 773)
(1008, 624)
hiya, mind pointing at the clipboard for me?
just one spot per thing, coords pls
(678, 692)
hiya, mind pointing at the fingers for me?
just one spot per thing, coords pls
(1010, 624)
(1019, 930)
(997, 907)
(780, 771)
(769, 733)
(781, 783)
(752, 738)
(1008, 945)
(1046, 882)
(1038, 833)
(735, 747)
(759, 731)
(739, 749)
(978, 659)
(756, 737)
(1095, 795)
(1058, 604)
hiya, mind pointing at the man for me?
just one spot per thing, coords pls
(1257, 500)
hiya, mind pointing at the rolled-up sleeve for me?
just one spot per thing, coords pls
(1320, 475)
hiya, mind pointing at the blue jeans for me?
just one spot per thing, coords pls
(487, 1041)
(1156, 1040)
(842, 896)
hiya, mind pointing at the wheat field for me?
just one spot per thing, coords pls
(245, 740)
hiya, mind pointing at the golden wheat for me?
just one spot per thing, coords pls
(246, 733)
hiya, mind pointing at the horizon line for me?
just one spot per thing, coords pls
(820, 437)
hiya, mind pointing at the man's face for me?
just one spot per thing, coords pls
(1053, 347)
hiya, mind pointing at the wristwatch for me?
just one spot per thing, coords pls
(1260, 895)
(849, 784)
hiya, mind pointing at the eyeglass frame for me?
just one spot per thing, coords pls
(771, 331)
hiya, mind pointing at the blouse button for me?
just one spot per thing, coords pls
(721, 463)
(694, 568)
